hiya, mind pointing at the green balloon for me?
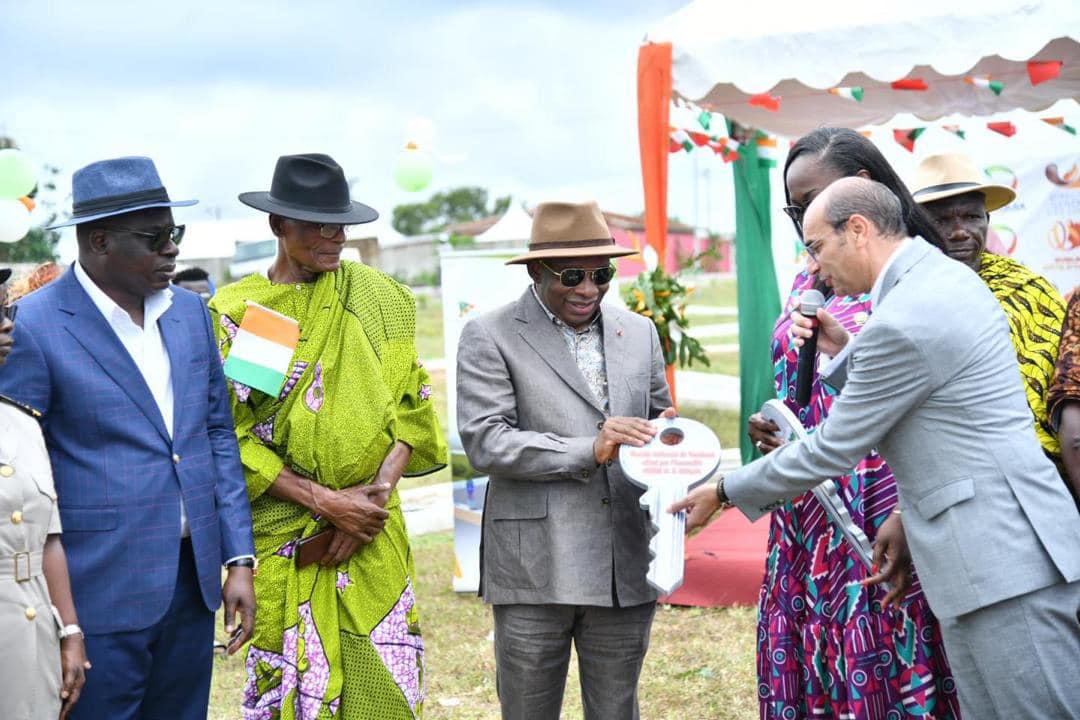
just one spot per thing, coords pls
(17, 176)
(413, 169)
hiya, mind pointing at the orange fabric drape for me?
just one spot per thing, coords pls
(654, 108)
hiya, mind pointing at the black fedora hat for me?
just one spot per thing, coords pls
(310, 187)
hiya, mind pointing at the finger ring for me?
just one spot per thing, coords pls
(758, 444)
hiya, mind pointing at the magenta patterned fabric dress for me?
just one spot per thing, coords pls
(826, 648)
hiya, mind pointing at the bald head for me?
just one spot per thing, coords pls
(859, 196)
(851, 229)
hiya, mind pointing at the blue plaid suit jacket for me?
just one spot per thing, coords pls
(119, 475)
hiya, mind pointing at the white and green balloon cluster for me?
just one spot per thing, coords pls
(17, 180)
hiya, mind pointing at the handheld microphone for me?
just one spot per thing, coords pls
(809, 303)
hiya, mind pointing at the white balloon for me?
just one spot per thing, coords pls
(14, 221)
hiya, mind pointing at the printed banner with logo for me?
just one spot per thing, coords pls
(1041, 228)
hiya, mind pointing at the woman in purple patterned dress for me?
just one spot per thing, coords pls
(828, 647)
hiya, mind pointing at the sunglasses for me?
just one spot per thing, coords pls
(796, 214)
(161, 238)
(572, 277)
(327, 231)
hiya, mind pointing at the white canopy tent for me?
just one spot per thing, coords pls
(515, 226)
(725, 53)
(773, 68)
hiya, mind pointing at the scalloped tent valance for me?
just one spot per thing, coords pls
(725, 53)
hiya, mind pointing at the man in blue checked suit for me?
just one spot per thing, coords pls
(126, 375)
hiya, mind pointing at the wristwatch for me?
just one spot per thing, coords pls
(69, 630)
(725, 502)
(248, 562)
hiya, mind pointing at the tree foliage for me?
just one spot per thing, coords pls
(446, 208)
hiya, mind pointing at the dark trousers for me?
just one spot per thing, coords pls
(532, 654)
(160, 673)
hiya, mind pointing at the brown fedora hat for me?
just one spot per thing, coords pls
(568, 230)
(943, 176)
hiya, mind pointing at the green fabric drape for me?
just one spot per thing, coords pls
(758, 295)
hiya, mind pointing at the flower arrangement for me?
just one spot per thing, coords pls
(662, 298)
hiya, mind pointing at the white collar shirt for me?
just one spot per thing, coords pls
(146, 348)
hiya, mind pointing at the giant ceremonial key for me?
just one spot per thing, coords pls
(681, 456)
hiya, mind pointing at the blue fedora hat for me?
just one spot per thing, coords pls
(114, 187)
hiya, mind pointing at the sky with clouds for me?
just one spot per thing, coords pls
(534, 99)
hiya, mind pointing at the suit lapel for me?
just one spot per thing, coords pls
(547, 341)
(89, 328)
(909, 257)
(172, 333)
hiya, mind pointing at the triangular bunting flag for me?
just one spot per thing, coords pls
(681, 139)
(766, 101)
(1005, 128)
(1059, 122)
(984, 81)
(1041, 71)
(907, 137)
(851, 93)
(955, 130)
(728, 151)
(766, 149)
(704, 119)
(699, 139)
(909, 84)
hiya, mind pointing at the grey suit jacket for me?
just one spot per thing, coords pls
(932, 383)
(557, 528)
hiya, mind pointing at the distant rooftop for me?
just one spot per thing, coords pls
(635, 223)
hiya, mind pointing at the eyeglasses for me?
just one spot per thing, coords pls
(160, 239)
(327, 231)
(572, 277)
(813, 249)
(796, 214)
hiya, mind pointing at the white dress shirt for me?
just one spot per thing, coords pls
(146, 348)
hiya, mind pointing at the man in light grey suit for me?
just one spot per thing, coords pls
(549, 386)
(932, 383)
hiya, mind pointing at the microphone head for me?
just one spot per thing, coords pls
(810, 301)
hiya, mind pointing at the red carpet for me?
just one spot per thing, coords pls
(724, 563)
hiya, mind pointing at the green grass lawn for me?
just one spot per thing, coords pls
(429, 327)
(700, 662)
(726, 363)
(714, 292)
(725, 423)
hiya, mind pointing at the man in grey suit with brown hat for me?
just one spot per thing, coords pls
(932, 382)
(549, 387)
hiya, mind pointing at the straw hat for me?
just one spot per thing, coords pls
(942, 176)
(567, 230)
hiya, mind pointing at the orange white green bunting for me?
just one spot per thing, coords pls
(262, 350)
(984, 81)
(955, 130)
(1059, 122)
(766, 149)
(680, 140)
(906, 137)
(854, 93)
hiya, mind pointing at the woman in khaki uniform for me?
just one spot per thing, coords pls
(42, 667)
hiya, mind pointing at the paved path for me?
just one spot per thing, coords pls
(715, 330)
(700, 388)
